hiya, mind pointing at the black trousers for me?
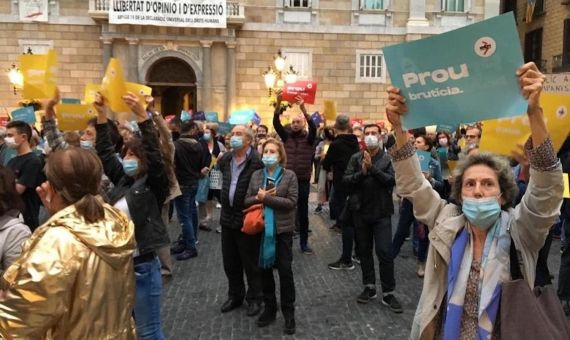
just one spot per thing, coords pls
(303, 210)
(564, 275)
(240, 252)
(283, 261)
(375, 234)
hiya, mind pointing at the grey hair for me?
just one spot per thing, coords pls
(248, 131)
(501, 167)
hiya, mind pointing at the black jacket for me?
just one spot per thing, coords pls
(189, 159)
(145, 195)
(371, 194)
(340, 151)
(232, 216)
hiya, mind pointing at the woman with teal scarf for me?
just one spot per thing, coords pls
(276, 188)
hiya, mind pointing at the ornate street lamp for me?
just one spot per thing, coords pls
(291, 75)
(279, 61)
(276, 76)
(270, 77)
(16, 78)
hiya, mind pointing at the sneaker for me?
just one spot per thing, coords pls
(392, 303)
(319, 209)
(407, 238)
(307, 250)
(340, 265)
(267, 317)
(367, 295)
(421, 269)
(177, 247)
(186, 255)
(355, 259)
(219, 230)
(218, 206)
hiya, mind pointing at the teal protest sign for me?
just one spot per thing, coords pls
(224, 128)
(447, 127)
(424, 158)
(242, 117)
(70, 101)
(212, 117)
(460, 76)
(24, 114)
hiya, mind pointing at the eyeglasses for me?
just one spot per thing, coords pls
(470, 136)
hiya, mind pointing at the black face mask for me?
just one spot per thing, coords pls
(261, 136)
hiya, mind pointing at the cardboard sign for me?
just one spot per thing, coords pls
(566, 186)
(501, 136)
(451, 165)
(24, 114)
(256, 119)
(330, 110)
(91, 93)
(199, 116)
(424, 158)
(141, 91)
(242, 117)
(317, 119)
(185, 116)
(225, 128)
(73, 117)
(306, 89)
(472, 81)
(211, 117)
(557, 83)
(38, 71)
(113, 86)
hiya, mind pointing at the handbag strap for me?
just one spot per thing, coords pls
(516, 272)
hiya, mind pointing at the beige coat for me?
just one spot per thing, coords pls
(529, 224)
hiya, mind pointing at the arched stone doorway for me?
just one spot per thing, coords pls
(173, 84)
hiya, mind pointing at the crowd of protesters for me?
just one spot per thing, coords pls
(84, 215)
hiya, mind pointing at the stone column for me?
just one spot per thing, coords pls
(133, 60)
(417, 14)
(230, 76)
(107, 51)
(206, 75)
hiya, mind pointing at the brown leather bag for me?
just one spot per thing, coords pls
(253, 222)
(530, 313)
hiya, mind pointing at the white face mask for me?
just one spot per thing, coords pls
(10, 142)
(371, 141)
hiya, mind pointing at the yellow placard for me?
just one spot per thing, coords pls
(91, 93)
(113, 86)
(566, 186)
(38, 71)
(326, 148)
(71, 117)
(330, 110)
(501, 136)
(451, 165)
(140, 91)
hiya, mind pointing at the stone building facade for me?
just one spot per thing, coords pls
(546, 38)
(337, 43)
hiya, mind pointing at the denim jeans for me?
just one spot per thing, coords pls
(147, 300)
(421, 231)
(188, 216)
(375, 234)
(403, 230)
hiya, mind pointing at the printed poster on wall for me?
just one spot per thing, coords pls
(461, 76)
(33, 10)
(180, 13)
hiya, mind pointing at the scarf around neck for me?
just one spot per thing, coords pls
(267, 251)
(495, 269)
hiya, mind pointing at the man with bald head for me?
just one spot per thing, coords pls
(300, 147)
(240, 252)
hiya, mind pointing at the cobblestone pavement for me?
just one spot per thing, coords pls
(326, 306)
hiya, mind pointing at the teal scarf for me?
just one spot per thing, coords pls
(267, 251)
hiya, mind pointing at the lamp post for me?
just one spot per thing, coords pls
(16, 78)
(276, 76)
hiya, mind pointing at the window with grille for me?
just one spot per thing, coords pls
(301, 62)
(373, 4)
(453, 5)
(370, 67)
(297, 3)
(533, 47)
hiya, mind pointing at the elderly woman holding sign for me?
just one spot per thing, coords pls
(470, 243)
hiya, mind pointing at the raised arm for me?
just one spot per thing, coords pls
(53, 135)
(277, 122)
(410, 182)
(312, 127)
(105, 148)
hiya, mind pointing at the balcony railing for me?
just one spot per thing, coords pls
(99, 9)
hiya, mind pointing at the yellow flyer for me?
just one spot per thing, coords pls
(566, 186)
(330, 110)
(39, 75)
(71, 117)
(91, 92)
(113, 86)
(140, 90)
(501, 136)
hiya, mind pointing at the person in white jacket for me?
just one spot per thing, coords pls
(470, 242)
(13, 231)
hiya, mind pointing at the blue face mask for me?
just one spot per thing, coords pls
(269, 160)
(86, 144)
(481, 212)
(206, 137)
(131, 167)
(236, 142)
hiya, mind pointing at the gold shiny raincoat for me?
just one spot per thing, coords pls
(73, 281)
